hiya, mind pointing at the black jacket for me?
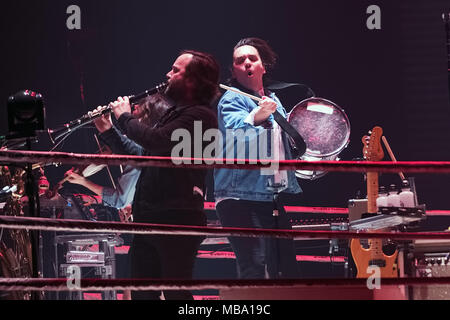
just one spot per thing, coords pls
(163, 189)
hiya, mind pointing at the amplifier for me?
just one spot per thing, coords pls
(432, 265)
(76, 257)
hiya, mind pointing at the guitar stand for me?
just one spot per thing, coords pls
(35, 235)
(339, 245)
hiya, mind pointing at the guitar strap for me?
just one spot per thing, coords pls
(306, 91)
(299, 145)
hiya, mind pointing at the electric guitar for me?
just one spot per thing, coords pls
(374, 255)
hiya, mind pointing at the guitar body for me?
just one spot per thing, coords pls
(364, 258)
(374, 255)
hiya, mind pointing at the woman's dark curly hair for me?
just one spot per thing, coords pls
(153, 107)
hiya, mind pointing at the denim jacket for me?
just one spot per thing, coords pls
(126, 186)
(124, 194)
(233, 110)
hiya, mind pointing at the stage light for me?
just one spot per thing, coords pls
(26, 113)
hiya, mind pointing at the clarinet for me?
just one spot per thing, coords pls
(92, 115)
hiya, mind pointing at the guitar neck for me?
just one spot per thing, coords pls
(372, 192)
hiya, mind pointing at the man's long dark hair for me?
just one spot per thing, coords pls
(205, 72)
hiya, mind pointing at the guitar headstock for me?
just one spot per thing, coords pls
(372, 150)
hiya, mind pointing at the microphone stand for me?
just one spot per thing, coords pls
(34, 208)
(276, 188)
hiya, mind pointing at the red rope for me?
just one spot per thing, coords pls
(329, 210)
(200, 163)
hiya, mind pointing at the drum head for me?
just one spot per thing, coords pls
(323, 125)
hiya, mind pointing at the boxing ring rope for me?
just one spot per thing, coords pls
(21, 284)
(28, 223)
(9, 156)
(46, 224)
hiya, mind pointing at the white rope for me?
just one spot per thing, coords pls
(21, 284)
(46, 224)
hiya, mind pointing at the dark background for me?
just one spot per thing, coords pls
(395, 77)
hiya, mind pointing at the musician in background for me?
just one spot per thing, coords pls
(148, 111)
(243, 197)
(168, 195)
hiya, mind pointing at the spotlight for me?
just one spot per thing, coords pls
(26, 113)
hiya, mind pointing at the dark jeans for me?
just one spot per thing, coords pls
(166, 256)
(253, 254)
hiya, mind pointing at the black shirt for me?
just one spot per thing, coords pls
(162, 189)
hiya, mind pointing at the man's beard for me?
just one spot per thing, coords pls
(176, 90)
